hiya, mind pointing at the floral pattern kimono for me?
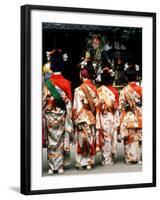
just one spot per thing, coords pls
(107, 123)
(57, 117)
(130, 104)
(85, 100)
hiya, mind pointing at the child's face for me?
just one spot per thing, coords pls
(95, 43)
(119, 61)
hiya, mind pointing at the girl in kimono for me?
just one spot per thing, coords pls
(107, 119)
(57, 114)
(130, 105)
(84, 111)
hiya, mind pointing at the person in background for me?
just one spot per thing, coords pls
(95, 50)
(130, 105)
(57, 114)
(84, 112)
(119, 67)
(107, 118)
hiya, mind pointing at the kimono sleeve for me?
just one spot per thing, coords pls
(121, 100)
(77, 105)
(45, 93)
(68, 124)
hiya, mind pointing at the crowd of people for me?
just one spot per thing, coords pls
(95, 118)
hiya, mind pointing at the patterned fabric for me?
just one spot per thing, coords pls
(130, 105)
(133, 146)
(58, 127)
(107, 123)
(61, 82)
(84, 121)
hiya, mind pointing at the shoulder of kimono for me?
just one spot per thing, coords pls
(78, 89)
(114, 90)
(101, 89)
(79, 92)
(138, 89)
(67, 82)
(122, 91)
(64, 83)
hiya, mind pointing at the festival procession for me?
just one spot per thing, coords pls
(93, 111)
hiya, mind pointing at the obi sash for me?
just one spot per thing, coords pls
(54, 92)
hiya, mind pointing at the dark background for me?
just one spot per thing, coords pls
(72, 39)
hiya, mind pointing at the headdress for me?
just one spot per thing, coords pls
(57, 59)
(87, 69)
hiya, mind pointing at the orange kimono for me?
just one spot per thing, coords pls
(84, 107)
(130, 105)
(107, 121)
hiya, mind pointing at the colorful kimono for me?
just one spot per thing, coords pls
(57, 117)
(107, 122)
(130, 104)
(84, 109)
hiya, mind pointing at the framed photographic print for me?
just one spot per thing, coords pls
(88, 99)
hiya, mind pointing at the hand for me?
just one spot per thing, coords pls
(97, 149)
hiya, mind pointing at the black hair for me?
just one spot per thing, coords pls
(131, 74)
(131, 61)
(106, 78)
(57, 63)
(89, 67)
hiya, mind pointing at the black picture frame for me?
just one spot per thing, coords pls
(26, 98)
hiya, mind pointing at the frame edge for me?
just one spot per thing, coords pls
(25, 100)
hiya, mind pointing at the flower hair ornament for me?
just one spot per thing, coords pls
(109, 71)
(50, 53)
(87, 68)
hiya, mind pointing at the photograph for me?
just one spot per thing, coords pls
(92, 99)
